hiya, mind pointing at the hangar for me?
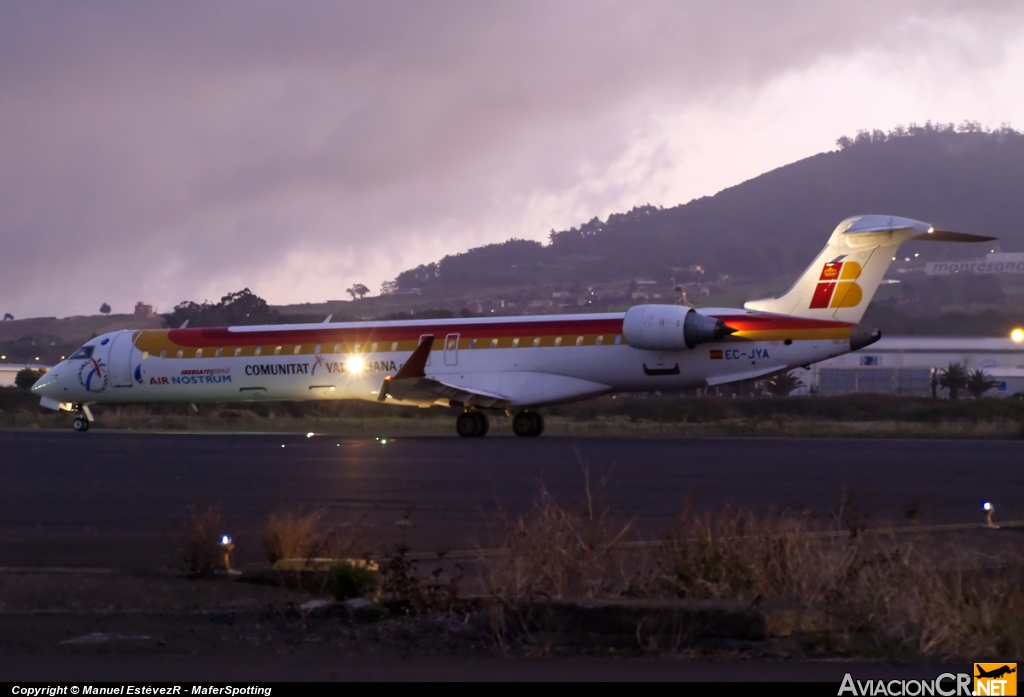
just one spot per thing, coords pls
(909, 365)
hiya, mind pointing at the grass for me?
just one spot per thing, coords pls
(923, 597)
(306, 535)
(909, 595)
(199, 549)
(853, 416)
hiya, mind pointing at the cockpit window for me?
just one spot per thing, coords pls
(84, 352)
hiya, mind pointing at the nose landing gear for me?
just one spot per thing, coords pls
(529, 424)
(472, 424)
(82, 418)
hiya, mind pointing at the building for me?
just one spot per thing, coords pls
(908, 365)
(143, 311)
(8, 371)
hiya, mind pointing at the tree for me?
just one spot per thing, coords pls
(954, 379)
(27, 377)
(239, 308)
(388, 287)
(105, 309)
(358, 289)
(979, 382)
(782, 384)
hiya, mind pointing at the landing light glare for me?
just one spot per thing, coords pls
(355, 364)
(1017, 335)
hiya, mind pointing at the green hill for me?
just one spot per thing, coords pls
(771, 226)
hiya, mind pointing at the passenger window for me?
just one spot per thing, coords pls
(536, 341)
(163, 353)
(579, 341)
(472, 343)
(337, 348)
(181, 352)
(356, 349)
(84, 352)
(452, 345)
(558, 341)
(494, 343)
(298, 350)
(618, 339)
(515, 342)
(145, 355)
(277, 350)
(394, 346)
(316, 349)
(218, 353)
(238, 350)
(199, 353)
(257, 351)
(373, 347)
(599, 340)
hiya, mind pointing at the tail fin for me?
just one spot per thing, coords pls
(843, 278)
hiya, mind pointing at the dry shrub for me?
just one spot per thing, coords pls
(938, 602)
(738, 555)
(557, 552)
(308, 536)
(199, 544)
(932, 596)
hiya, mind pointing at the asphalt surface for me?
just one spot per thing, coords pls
(117, 499)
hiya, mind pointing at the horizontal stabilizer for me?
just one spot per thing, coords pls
(950, 236)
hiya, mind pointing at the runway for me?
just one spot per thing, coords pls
(116, 499)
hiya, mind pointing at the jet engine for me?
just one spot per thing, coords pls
(670, 328)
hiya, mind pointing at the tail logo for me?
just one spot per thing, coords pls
(837, 287)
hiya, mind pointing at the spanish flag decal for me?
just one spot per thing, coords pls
(716, 354)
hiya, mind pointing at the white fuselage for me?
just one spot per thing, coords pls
(514, 362)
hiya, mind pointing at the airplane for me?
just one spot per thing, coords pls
(995, 672)
(513, 365)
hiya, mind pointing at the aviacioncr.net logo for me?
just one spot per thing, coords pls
(945, 685)
(995, 678)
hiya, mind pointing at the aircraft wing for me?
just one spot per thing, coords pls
(733, 377)
(493, 390)
(428, 389)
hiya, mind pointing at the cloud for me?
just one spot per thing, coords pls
(178, 151)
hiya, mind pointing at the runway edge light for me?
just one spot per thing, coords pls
(227, 545)
(990, 510)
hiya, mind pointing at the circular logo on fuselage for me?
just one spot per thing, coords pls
(92, 375)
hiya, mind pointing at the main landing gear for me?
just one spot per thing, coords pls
(474, 424)
(528, 423)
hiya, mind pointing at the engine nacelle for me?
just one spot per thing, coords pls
(670, 328)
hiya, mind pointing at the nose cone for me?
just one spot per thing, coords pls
(862, 335)
(47, 385)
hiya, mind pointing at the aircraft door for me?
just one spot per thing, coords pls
(120, 360)
(451, 349)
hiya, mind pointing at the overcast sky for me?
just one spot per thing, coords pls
(164, 151)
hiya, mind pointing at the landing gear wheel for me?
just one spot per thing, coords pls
(81, 424)
(472, 424)
(528, 424)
